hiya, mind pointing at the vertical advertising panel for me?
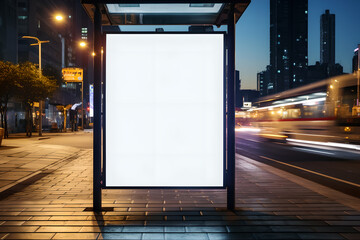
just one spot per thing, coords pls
(164, 110)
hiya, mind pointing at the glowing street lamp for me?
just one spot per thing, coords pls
(59, 17)
(82, 44)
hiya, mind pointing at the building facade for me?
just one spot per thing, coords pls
(355, 59)
(288, 43)
(263, 80)
(8, 31)
(327, 38)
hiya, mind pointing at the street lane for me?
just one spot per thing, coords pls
(336, 168)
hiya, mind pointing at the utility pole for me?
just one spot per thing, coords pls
(40, 75)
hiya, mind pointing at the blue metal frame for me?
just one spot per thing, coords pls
(229, 117)
(103, 186)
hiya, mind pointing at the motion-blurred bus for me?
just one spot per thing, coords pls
(326, 111)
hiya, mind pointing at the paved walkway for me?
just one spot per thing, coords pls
(269, 206)
(24, 160)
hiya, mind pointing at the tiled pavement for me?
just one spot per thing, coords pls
(25, 160)
(270, 206)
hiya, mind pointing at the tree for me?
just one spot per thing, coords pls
(8, 87)
(33, 88)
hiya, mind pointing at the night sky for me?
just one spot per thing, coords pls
(253, 33)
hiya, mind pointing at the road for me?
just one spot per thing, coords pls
(333, 167)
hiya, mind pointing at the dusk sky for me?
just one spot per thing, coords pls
(253, 33)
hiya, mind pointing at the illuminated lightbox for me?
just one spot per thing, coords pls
(164, 110)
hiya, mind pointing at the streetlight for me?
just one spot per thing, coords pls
(40, 74)
(82, 44)
(59, 17)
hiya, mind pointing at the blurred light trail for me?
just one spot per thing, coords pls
(328, 144)
(315, 151)
(247, 129)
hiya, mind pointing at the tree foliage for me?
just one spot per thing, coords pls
(34, 87)
(8, 88)
(24, 82)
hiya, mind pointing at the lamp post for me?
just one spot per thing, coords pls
(83, 44)
(40, 74)
(60, 18)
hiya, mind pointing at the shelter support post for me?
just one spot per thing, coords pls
(231, 111)
(97, 112)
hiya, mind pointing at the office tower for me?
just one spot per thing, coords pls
(8, 31)
(355, 59)
(327, 38)
(263, 80)
(288, 43)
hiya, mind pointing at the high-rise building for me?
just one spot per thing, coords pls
(288, 43)
(247, 96)
(263, 79)
(355, 60)
(8, 31)
(327, 38)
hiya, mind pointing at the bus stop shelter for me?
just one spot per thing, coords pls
(160, 12)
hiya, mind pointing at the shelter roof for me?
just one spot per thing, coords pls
(161, 12)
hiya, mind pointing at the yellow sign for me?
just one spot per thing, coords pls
(72, 74)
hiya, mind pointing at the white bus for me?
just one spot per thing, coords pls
(326, 111)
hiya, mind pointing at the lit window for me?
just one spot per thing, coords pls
(278, 42)
(22, 17)
(278, 71)
(305, 12)
(279, 35)
(294, 64)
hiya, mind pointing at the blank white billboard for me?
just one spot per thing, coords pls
(164, 110)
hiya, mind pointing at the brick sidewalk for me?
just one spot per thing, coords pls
(269, 207)
(24, 160)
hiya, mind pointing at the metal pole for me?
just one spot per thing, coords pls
(82, 104)
(62, 51)
(97, 112)
(40, 102)
(40, 74)
(358, 79)
(231, 112)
